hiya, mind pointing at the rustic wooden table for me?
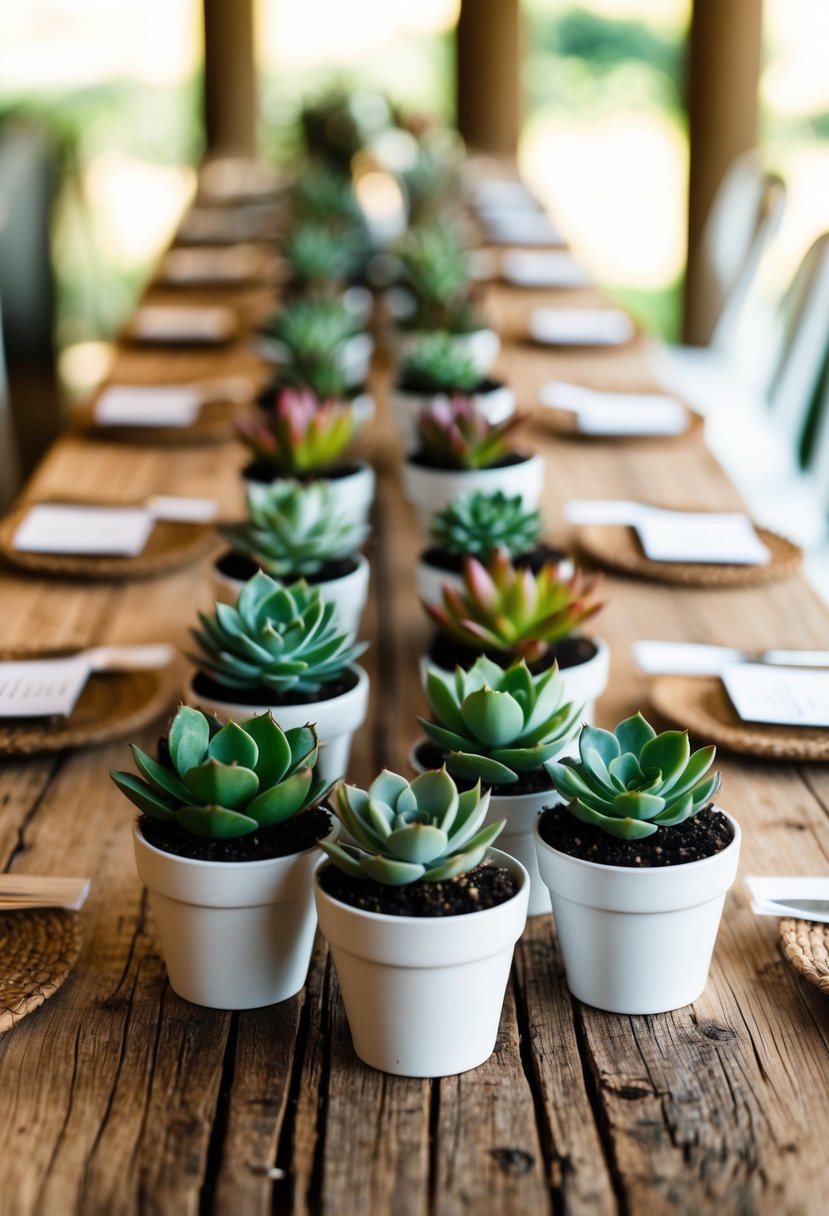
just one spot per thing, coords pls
(118, 1097)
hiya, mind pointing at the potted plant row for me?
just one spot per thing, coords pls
(301, 336)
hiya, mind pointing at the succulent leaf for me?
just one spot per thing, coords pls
(188, 738)
(233, 745)
(143, 796)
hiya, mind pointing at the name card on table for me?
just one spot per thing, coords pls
(558, 268)
(602, 413)
(84, 530)
(148, 406)
(42, 687)
(581, 326)
(194, 266)
(719, 538)
(185, 323)
(782, 696)
(798, 896)
(513, 226)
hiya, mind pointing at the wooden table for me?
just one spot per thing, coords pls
(118, 1097)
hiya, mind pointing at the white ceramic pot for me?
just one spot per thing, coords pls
(637, 940)
(481, 345)
(431, 580)
(348, 594)
(234, 934)
(423, 995)
(354, 356)
(496, 405)
(352, 495)
(430, 490)
(336, 719)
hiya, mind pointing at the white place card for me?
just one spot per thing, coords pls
(84, 530)
(684, 658)
(208, 265)
(135, 405)
(503, 192)
(40, 687)
(512, 226)
(581, 326)
(783, 696)
(603, 413)
(556, 268)
(182, 323)
(779, 895)
(178, 509)
(700, 536)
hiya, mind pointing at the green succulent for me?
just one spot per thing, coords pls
(435, 270)
(279, 637)
(477, 524)
(495, 724)
(299, 434)
(319, 258)
(228, 782)
(631, 781)
(293, 529)
(431, 181)
(455, 434)
(512, 611)
(312, 332)
(438, 365)
(406, 832)
(323, 195)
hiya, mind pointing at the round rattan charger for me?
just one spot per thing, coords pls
(38, 948)
(805, 944)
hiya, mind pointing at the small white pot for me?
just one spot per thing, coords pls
(430, 490)
(423, 995)
(353, 357)
(352, 495)
(431, 580)
(348, 594)
(481, 345)
(496, 405)
(336, 719)
(637, 940)
(234, 934)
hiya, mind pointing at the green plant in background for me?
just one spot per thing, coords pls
(434, 268)
(319, 258)
(300, 434)
(496, 724)
(632, 781)
(406, 832)
(282, 638)
(510, 611)
(311, 334)
(437, 364)
(432, 180)
(340, 122)
(228, 782)
(479, 523)
(293, 529)
(455, 434)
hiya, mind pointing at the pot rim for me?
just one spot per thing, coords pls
(496, 385)
(227, 866)
(359, 689)
(362, 563)
(525, 458)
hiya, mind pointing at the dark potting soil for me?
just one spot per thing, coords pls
(261, 470)
(702, 835)
(429, 755)
(484, 887)
(445, 652)
(279, 840)
(422, 387)
(266, 399)
(442, 559)
(236, 565)
(424, 461)
(205, 686)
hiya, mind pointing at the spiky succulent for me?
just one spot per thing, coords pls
(454, 434)
(228, 782)
(299, 434)
(631, 781)
(510, 611)
(277, 637)
(435, 270)
(476, 524)
(438, 365)
(405, 832)
(293, 529)
(324, 195)
(319, 258)
(495, 724)
(431, 180)
(309, 333)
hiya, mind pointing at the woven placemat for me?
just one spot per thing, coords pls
(564, 425)
(805, 944)
(214, 424)
(617, 547)
(701, 705)
(38, 948)
(169, 547)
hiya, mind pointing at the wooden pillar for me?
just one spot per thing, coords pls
(488, 56)
(230, 107)
(724, 53)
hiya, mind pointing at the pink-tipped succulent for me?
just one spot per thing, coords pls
(504, 610)
(299, 434)
(456, 435)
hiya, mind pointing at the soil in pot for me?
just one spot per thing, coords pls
(265, 398)
(421, 387)
(241, 568)
(295, 835)
(701, 836)
(445, 652)
(452, 563)
(423, 461)
(484, 887)
(205, 686)
(431, 756)
(262, 470)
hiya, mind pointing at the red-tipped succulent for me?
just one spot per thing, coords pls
(456, 435)
(299, 434)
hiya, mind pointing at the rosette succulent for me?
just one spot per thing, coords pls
(406, 832)
(323, 195)
(631, 781)
(227, 782)
(319, 258)
(311, 333)
(454, 434)
(511, 611)
(277, 637)
(496, 724)
(299, 434)
(293, 529)
(437, 365)
(477, 524)
(435, 271)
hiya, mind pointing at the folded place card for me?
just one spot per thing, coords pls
(558, 268)
(684, 658)
(503, 192)
(581, 326)
(236, 264)
(173, 323)
(138, 405)
(700, 537)
(603, 413)
(178, 509)
(517, 226)
(41, 687)
(799, 896)
(780, 696)
(84, 530)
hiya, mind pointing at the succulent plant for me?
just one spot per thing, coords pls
(221, 783)
(511, 611)
(300, 434)
(495, 724)
(632, 781)
(293, 529)
(437, 365)
(456, 435)
(405, 832)
(320, 259)
(477, 524)
(277, 637)
(431, 180)
(311, 333)
(324, 195)
(435, 270)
